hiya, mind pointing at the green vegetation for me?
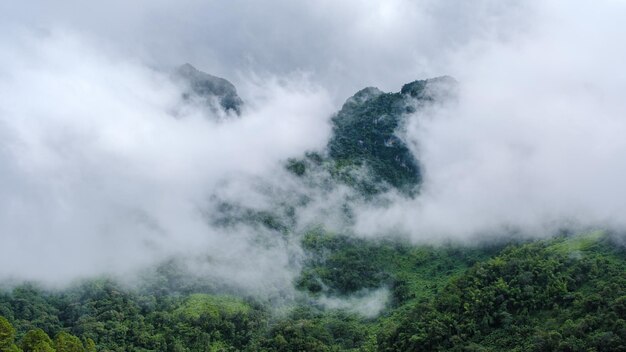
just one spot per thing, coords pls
(199, 304)
(564, 294)
(534, 297)
(104, 316)
(67, 342)
(365, 151)
(7, 336)
(364, 136)
(344, 265)
(36, 341)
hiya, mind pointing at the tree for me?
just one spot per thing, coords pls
(7, 336)
(37, 341)
(7, 333)
(65, 342)
(90, 345)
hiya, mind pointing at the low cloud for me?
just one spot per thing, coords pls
(99, 176)
(368, 303)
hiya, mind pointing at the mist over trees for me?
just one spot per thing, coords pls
(312, 179)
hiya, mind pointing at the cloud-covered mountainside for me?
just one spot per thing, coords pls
(283, 266)
(366, 141)
(293, 206)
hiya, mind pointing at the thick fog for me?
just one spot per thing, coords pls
(105, 169)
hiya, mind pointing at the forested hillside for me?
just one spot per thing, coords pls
(565, 294)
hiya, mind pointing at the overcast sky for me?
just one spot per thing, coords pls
(344, 45)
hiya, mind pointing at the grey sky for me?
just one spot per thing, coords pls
(343, 45)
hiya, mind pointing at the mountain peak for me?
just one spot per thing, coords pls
(187, 68)
(208, 88)
(367, 128)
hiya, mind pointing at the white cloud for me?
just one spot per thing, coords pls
(98, 176)
(535, 141)
(368, 303)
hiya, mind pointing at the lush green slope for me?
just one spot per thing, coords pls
(344, 265)
(566, 294)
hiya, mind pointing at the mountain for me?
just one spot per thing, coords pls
(367, 130)
(208, 89)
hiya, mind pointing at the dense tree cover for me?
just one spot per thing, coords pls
(310, 329)
(344, 265)
(36, 340)
(111, 318)
(565, 294)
